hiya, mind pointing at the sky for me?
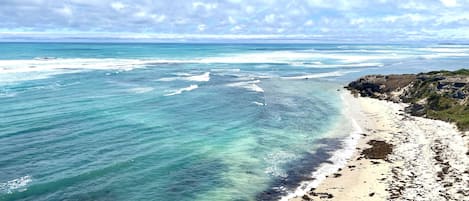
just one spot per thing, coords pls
(185, 20)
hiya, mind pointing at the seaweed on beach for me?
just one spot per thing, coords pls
(378, 150)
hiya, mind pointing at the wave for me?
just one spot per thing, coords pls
(258, 103)
(18, 184)
(181, 90)
(313, 58)
(365, 57)
(352, 65)
(225, 70)
(249, 85)
(141, 90)
(195, 78)
(446, 49)
(442, 55)
(318, 75)
(21, 66)
(279, 57)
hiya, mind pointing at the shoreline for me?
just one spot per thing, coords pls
(396, 157)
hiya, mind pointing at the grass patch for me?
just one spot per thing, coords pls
(464, 72)
(444, 109)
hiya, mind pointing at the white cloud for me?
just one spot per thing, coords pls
(140, 14)
(269, 18)
(236, 28)
(249, 9)
(414, 5)
(201, 27)
(391, 19)
(231, 20)
(451, 17)
(343, 18)
(118, 6)
(181, 21)
(309, 23)
(325, 30)
(337, 4)
(413, 17)
(65, 11)
(449, 3)
(158, 18)
(206, 6)
(358, 21)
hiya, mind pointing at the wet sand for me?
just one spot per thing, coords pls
(399, 157)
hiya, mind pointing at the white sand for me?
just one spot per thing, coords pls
(429, 159)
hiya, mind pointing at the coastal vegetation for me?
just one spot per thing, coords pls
(442, 95)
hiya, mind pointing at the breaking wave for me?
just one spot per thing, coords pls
(195, 78)
(181, 90)
(249, 85)
(18, 184)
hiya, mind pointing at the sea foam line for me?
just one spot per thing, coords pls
(302, 58)
(339, 158)
(181, 90)
(318, 75)
(249, 85)
(141, 90)
(205, 77)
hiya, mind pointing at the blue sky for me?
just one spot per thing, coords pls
(343, 20)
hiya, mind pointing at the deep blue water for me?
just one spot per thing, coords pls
(180, 121)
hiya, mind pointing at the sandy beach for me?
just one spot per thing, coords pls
(398, 157)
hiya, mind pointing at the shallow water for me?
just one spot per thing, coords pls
(180, 121)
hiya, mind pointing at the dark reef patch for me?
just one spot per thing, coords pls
(301, 170)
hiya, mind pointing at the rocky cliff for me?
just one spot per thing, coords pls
(440, 95)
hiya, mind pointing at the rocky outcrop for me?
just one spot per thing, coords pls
(440, 95)
(381, 86)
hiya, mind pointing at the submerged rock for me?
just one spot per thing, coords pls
(415, 109)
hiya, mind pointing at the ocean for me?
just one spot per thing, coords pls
(221, 122)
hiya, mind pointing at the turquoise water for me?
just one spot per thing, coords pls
(180, 121)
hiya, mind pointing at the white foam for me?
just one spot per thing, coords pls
(367, 57)
(353, 65)
(205, 77)
(443, 49)
(339, 158)
(275, 162)
(141, 90)
(181, 90)
(22, 70)
(225, 70)
(18, 184)
(258, 103)
(317, 75)
(275, 57)
(313, 58)
(18, 66)
(442, 55)
(288, 57)
(249, 85)
(7, 94)
(200, 78)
